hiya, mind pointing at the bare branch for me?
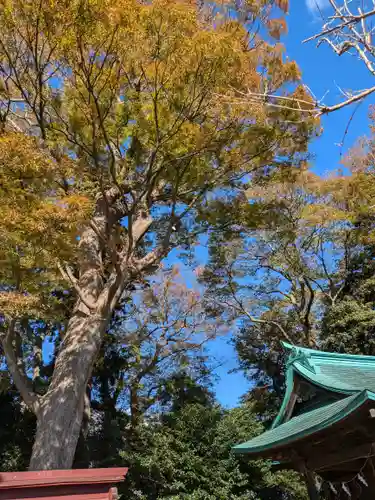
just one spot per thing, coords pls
(346, 30)
(20, 379)
(329, 109)
(253, 319)
(333, 29)
(317, 109)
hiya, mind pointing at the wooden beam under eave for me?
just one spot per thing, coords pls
(310, 481)
(325, 461)
(292, 400)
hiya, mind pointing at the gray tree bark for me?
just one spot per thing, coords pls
(60, 415)
(60, 411)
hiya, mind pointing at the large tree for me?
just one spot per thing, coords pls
(115, 127)
(348, 324)
(275, 261)
(156, 342)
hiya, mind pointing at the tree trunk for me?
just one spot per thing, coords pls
(60, 411)
(60, 416)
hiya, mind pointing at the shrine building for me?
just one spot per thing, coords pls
(325, 428)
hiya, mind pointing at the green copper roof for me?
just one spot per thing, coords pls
(341, 373)
(305, 424)
(344, 373)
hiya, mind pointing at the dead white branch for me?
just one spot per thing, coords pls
(348, 30)
(352, 21)
(316, 108)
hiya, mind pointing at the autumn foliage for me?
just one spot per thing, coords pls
(117, 125)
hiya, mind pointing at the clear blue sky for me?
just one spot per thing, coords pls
(322, 71)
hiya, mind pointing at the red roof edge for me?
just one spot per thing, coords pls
(43, 478)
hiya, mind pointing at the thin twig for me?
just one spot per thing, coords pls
(353, 20)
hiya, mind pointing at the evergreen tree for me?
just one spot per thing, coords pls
(186, 454)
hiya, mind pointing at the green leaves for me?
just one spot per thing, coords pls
(189, 456)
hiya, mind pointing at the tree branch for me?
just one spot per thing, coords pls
(252, 318)
(20, 379)
(324, 110)
(346, 30)
(354, 20)
(67, 274)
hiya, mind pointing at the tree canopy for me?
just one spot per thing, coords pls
(117, 128)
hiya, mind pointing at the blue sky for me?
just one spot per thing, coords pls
(324, 73)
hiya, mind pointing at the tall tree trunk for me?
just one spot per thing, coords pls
(60, 416)
(60, 411)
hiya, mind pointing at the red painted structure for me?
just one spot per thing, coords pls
(77, 484)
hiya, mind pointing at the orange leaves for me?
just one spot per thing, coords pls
(277, 27)
(61, 215)
(39, 220)
(30, 194)
(135, 95)
(351, 192)
(22, 159)
(283, 5)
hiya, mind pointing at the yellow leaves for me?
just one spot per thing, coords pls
(320, 214)
(25, 173)
(279, 71)
(307, 200)
(39, 220)
(14, 304)
(29, 177)
(21, 158)
(138, 87)
(60, 215)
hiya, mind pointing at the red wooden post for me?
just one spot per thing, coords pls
(77, 484)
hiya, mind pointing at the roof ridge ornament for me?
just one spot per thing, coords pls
(300, 355)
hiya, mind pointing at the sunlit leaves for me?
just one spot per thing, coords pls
(39, 220)
(136, 96)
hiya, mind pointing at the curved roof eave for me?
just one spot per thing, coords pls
(339, 410)
(314, 353)
(288, 392)
(305, 362)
